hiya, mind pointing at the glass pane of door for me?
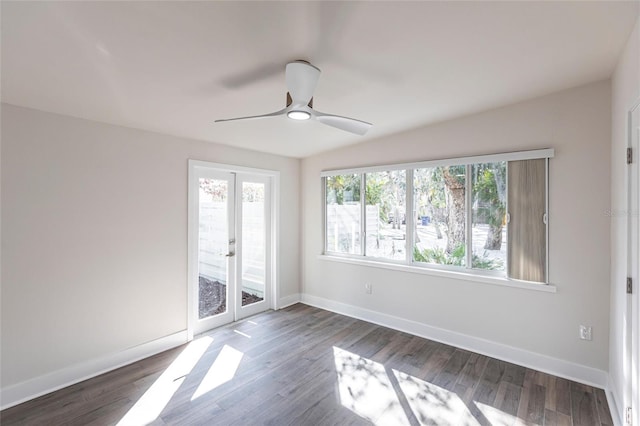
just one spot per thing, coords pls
(213, 292)
(254, 244)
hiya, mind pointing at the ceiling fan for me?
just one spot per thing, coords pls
(301, 78)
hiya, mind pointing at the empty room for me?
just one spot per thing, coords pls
(319, 213)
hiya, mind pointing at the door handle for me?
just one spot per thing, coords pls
(230, 254)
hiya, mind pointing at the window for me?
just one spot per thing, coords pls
(489, 216)
(485, 215)
(439, 196)
(343, 213)
(386, 224)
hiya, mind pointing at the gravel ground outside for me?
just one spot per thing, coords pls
(213, 297)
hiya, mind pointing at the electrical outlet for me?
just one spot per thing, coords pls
(367, 288)
(585, 332)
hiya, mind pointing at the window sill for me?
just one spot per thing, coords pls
(484, 279)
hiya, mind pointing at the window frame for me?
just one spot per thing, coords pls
(363, 198)
(410, 218)
(324, 217)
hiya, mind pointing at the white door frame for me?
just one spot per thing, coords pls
(252, 309)
(196, 166)
(202, 324)
(632, 383)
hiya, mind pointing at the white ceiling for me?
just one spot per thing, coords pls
(174, 67)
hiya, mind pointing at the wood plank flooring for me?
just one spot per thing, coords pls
(306, 366)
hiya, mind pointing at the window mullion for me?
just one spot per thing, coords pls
(363, 215)
(546, 222)
(508, 218)
(468, 215)
(324, 215)
(410, 216)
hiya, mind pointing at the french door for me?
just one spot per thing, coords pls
(230, 246)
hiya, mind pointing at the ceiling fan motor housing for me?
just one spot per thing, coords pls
(290, 101)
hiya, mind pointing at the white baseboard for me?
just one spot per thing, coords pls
(38, 386)
(292, 299)
(42, 385)
(615, 402)
(557, 367)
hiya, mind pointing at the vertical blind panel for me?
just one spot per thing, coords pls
(527, 230)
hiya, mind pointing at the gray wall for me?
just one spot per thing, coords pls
(577, 123)
(94, 237)
(625, 87)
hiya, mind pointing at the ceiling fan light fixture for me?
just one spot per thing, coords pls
(301, 78)
(298, 115)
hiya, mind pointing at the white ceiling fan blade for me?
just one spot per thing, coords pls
(352, 125)
(253, 117)
(301, 78)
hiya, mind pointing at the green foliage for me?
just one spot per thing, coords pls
(386, 190)
(455, 258)
(375, 190)
(217, 189)
(374, 195)
(440, 256)
(486, 263)
(341, 185)
(485, 189)
(458, 172)
(429, 192)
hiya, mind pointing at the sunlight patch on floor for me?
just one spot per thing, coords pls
(365, 389)
(432, 404)
(374, 392)
(496, 417)
(242, 334)
(155, 399)
(221, 371)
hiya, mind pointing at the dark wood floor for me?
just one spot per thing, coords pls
(307, 366)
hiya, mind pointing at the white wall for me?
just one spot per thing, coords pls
(94, 237)
(576, 123)
(625, 90)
